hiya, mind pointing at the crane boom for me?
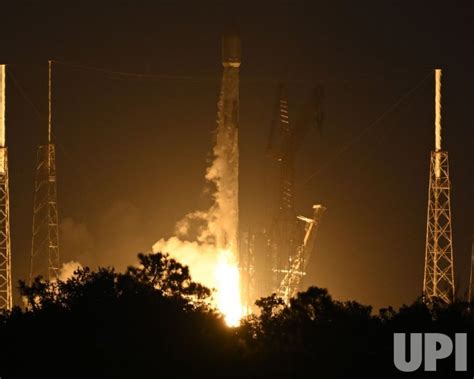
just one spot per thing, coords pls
(299, 262)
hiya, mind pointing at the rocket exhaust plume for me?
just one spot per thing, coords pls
(212, 255)
(438, 74)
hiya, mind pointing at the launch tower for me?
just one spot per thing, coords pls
(291, 238)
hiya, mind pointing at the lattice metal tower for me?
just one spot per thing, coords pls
(6, 300)
(45, 239)
(285, 140)
(438, 280)
(298, 262)
(283, 231)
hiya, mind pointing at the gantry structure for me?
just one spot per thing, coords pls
(291, 237)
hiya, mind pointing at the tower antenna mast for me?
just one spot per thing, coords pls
(44, 259)
(438, 281)
(6, 298)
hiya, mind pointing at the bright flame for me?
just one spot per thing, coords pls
(228, 293)
(213, 267)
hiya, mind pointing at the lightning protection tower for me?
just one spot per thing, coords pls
(45, 239)
(5, 248)
(438, 280)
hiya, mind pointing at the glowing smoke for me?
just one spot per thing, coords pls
(212, 254)
(67, 270)
(201, 258)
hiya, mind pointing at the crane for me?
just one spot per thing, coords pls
(285, 140)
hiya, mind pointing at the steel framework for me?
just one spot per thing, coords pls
(284, 246)
(6, 297)
(299, 261)
(6, 300)
(45, 234)
(438, 280)
(282, 242)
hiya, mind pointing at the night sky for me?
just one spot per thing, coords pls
(132, 151)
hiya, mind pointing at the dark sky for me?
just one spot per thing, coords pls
(132, 151)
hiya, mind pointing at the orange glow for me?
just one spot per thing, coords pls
(228, 288)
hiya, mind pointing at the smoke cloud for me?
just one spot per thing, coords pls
(67, 270)
(206, 241)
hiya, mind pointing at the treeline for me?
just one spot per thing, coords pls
(154, 321)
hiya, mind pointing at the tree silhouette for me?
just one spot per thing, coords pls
(153, 320)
